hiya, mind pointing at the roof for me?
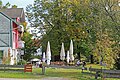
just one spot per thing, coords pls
(5, 15)
(8, 17)
(15, 12)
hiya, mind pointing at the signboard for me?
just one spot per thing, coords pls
(28, 68)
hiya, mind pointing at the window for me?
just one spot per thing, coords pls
(13, 36)
(1, 54)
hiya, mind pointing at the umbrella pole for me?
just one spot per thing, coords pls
(63, 62)
(43, 70)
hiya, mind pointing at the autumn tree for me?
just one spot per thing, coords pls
(63, 21)
(106, 15)
(92, 25)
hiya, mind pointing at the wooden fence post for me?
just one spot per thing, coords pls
(90, 68)
(101, 69)
(4, 67)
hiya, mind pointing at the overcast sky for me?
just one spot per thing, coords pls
(19, 3)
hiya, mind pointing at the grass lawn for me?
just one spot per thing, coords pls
(98, 66)
(72, 74)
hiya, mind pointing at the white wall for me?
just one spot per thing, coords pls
(5, 51)
(13, 54)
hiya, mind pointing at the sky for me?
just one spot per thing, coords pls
(19, 3)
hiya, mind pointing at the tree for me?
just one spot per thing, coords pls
(4, 6)
(31, 45)
(7, 5)
(27, 38)
(0, 4)
(14, 6)
(106, 27)
(89, 23)
(62, 20)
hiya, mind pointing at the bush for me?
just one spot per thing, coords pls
(117, 63)
(22, 62)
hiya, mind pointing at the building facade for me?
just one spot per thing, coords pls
(10, 36)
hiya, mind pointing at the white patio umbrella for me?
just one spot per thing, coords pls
(48, 62)
(35, 59)
(71, 51)
(48, 53)
(62, 53)
(43, 58)
(72, 58)
(68, 57)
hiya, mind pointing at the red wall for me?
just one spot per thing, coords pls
(15, 30)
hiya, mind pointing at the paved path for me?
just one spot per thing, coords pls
(54, 78)
(47, 78)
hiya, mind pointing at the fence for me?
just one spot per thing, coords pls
(17, 68)
(104, 73)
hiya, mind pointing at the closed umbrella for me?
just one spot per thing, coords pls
(62, 53)
(72, 58)
(43, 59)
(48, 62)
(48, 53)
(68, 57)
(71, 51)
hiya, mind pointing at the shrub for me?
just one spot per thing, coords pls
(22, 62)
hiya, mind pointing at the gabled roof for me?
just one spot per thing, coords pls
(15, 12)
(5, 15)
(8, 17)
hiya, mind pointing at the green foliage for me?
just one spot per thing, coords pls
(7, 5)
(117, 64)
(0, 3)
(31, 45)
(22, 62)
(117, 60)
(104, 51)
(63, 21)
(14, 6)
(28, 41)
(105, 29)
(92, 25)
(4, 6)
